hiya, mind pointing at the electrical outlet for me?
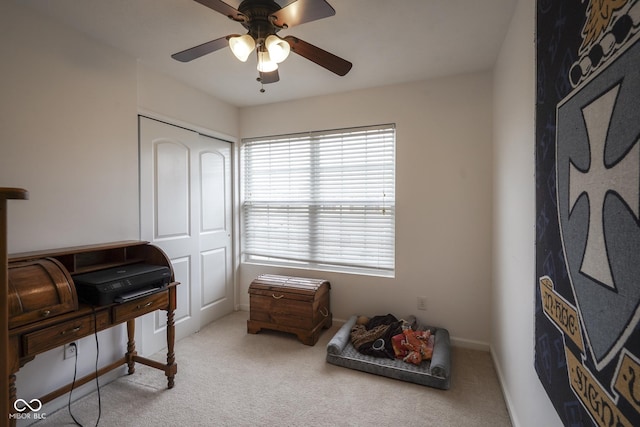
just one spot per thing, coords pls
(71, 350)
(422, 303)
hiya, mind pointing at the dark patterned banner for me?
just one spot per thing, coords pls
(588, 209)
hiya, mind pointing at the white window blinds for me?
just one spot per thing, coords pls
(321, 199)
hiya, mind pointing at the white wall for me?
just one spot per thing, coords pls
(68, 122)
(443, 197)
(69, 135)
(162, 97)
(513, 298)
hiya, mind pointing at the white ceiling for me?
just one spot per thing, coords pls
(388, 42)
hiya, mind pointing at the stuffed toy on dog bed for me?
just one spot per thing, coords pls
(378, 359)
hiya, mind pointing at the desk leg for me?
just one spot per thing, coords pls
(131, 345)
(171, 356)
(12, 398)
(171, 368)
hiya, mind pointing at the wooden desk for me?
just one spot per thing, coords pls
(31, 339)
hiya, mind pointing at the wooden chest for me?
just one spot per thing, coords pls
(290, 304)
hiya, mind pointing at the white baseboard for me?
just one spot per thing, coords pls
(456, 342)
(470, 344)
(505, 391)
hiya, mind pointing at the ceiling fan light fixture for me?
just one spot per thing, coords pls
(265, 63)
(278, 49)
(242, 46)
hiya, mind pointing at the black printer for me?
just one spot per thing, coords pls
(121, 284)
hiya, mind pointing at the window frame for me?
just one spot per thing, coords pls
(387, 205)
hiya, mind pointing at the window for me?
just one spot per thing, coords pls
(322, 200)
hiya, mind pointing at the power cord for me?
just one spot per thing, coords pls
(75, 371)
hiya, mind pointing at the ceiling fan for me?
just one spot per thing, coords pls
(263, 19)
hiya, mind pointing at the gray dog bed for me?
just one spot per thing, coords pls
(434, 373)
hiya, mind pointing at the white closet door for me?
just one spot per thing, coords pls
(185, 209)
(216, 290)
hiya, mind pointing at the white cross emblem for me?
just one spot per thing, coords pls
(621, 178)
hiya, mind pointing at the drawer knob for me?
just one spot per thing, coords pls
(277, 296)
(71, 331)
(139, 306)
(46, 313)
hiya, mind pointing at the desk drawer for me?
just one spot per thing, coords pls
(133, 309)
(55, 336)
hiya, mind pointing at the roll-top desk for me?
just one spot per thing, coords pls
(44, 312)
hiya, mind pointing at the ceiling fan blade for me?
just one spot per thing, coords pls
(321, 57)
(201, 50)
(270, 77)
(223, 8)
(301, 11)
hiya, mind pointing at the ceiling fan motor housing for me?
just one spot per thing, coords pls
(258, 22)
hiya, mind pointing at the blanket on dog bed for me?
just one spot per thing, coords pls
(433, 373)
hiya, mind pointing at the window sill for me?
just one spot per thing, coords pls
(327, 268)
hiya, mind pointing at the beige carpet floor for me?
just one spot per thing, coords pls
(227, 377)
